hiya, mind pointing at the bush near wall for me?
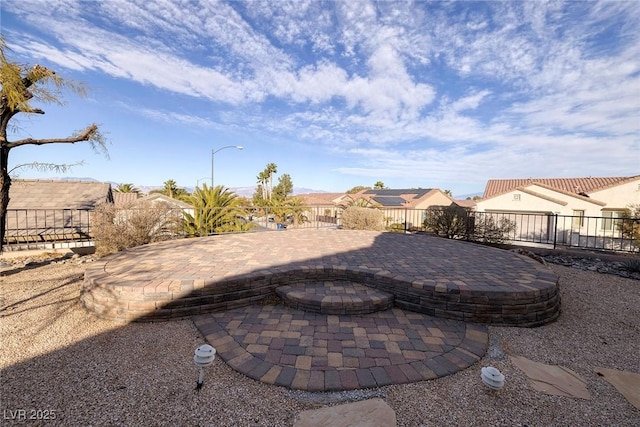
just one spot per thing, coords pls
(123, 227)
(359, 218)
(451, 222)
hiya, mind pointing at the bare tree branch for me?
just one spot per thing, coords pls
(83, 136)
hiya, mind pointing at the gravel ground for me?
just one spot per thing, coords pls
(57, 361)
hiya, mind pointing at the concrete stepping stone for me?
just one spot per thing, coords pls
(552, 379)
(338, 297)
(627, 383)
(366, 413)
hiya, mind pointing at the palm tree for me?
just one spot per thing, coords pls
(263, 179)
(297, 208)
(217, 210)
(270, 170)
(170, 188)
(126, 188)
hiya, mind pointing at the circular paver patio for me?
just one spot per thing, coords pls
(429, 275)
(316, 352)
(440, 289)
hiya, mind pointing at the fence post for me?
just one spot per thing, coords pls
(555, 231)
(405, 220)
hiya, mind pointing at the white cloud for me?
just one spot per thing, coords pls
(485, 86)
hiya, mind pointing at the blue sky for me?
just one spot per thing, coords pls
(337, 93)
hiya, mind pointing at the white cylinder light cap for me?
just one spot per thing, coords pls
(204, 355)
(492, 378)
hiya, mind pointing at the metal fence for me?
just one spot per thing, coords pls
(42, 227)
(47, 226)
(547, 230)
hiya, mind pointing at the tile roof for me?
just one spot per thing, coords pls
(415, 192)
(58, 194)
(157, 197)
(567, 185)
(315, 199)
(394, 198)
(120, 199)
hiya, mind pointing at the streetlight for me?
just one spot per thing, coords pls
(213, 152)
(204, 178)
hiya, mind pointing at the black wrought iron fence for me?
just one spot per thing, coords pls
(33, 226)
(38, 226)
(552, 230)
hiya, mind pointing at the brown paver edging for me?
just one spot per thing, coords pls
(439, 277)
(315, 352)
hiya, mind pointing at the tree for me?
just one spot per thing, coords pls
(284, 187)
(171, 189)
(21, 85)
(629, 223)
(126, 188)
(217, 210)
(264, 190)
(270, 170)
(452, 222)
(297, 209)
(263, 187)
(379, 185)
(357, 189)
(448, 193)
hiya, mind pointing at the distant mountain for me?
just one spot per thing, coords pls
(240, 191)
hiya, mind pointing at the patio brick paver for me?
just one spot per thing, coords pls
(440, 289)
(429, 275)
(296, 365)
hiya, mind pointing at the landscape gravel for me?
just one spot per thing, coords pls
(59, 362)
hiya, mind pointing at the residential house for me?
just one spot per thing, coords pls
(403, 207)
(324, 207)
(175, 204)
(585, 206)
(45, 211)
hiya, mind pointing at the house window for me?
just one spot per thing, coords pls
(610, 220)
(516, 197)
(578, 219)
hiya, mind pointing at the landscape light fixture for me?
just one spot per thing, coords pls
(203, 357)
(492, 378)
(214, 151)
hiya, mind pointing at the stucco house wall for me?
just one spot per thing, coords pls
(593, 214)
(620, 196)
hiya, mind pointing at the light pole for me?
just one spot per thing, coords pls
(213, 152)
(204, 178)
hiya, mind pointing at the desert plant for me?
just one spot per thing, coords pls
(629, 223)
(359, 218)
(396, 227)
(452, 222)
(490, 230)
(217, 210)
(116, 228)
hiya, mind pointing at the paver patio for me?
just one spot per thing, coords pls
(440, 288)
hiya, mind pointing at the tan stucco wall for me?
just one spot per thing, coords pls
(621, 196)
(436, 199)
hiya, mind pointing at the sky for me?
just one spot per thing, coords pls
(336, 93)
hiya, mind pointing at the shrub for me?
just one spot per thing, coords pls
(629, 224)
(451, 222)
(359, 218)
(123, 227)
(490, 230)
(396, 227)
